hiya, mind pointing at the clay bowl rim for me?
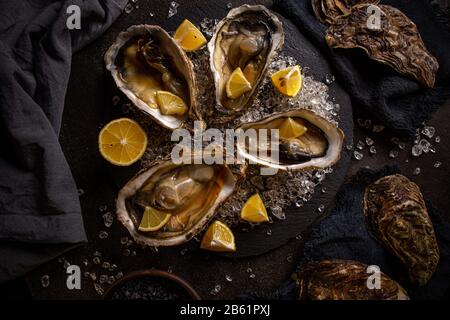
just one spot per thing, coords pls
(152, 273)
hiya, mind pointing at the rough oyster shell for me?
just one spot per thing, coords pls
(177, 60)
(333, 135)
(397, 43)
(343, 280)
(246, 18)
(397, 217)
(327, 11)
(223, 186)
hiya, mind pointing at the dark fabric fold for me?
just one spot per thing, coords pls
(397, 101)
(40, 214)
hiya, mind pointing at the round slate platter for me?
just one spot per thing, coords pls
(91, 107)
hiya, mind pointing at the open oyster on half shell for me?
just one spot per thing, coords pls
(247, 38)
(190, 193)
(343, 280)
(314, 142)
(144, 60)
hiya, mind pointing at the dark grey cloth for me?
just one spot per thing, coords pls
(40, 215)
(399, 102)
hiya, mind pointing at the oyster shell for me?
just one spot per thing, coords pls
(319, 147)
(248, 37)
(397, 217)
(189, 192)
(397, 43)
(343, 280)
(327, 11)
(145, 59)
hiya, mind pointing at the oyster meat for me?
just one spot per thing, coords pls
(144, 60)
(343, 280)
(248, 38)
(190, 193)
(327, 11)
(319, 147)
(396, 43)
(396, 215)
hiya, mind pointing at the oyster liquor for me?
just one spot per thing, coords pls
(228, 309)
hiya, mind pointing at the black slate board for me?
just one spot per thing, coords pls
(298, 220)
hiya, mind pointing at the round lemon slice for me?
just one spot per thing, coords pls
(288, 81)
(170, 104)
(291, 129)
(218, 238)
(237, 84)
(189, 37)
(153, 219)
(254, 210)
(122, 142)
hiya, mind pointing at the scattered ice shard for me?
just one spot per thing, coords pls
(45, 281)
(393, 154)
(428, 131)
(369, 141)
(329, 79)
(108, 219)
(173, 9)
(358, 155)
(416, 150)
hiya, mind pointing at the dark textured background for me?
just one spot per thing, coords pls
(202, 270)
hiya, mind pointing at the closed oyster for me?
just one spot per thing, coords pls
(190, 193)
(396, 43)
(248, 37)
(319, 147)
(327, 11)
(143, 60)
(397, 217)
(343, 280)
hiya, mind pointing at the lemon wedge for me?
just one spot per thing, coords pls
(170, 104)
(254, 210)
(237, 84)
(288, 81)
(189, 37)
(218, 238)
(291, 129)
(153, 219)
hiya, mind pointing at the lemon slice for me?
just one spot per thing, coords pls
(218, 238)
(153, 219)
(122, 142)
(288, 81)
(170, 104)
(254, 210)
(291, 129)
(189, 37)
(237, 84)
